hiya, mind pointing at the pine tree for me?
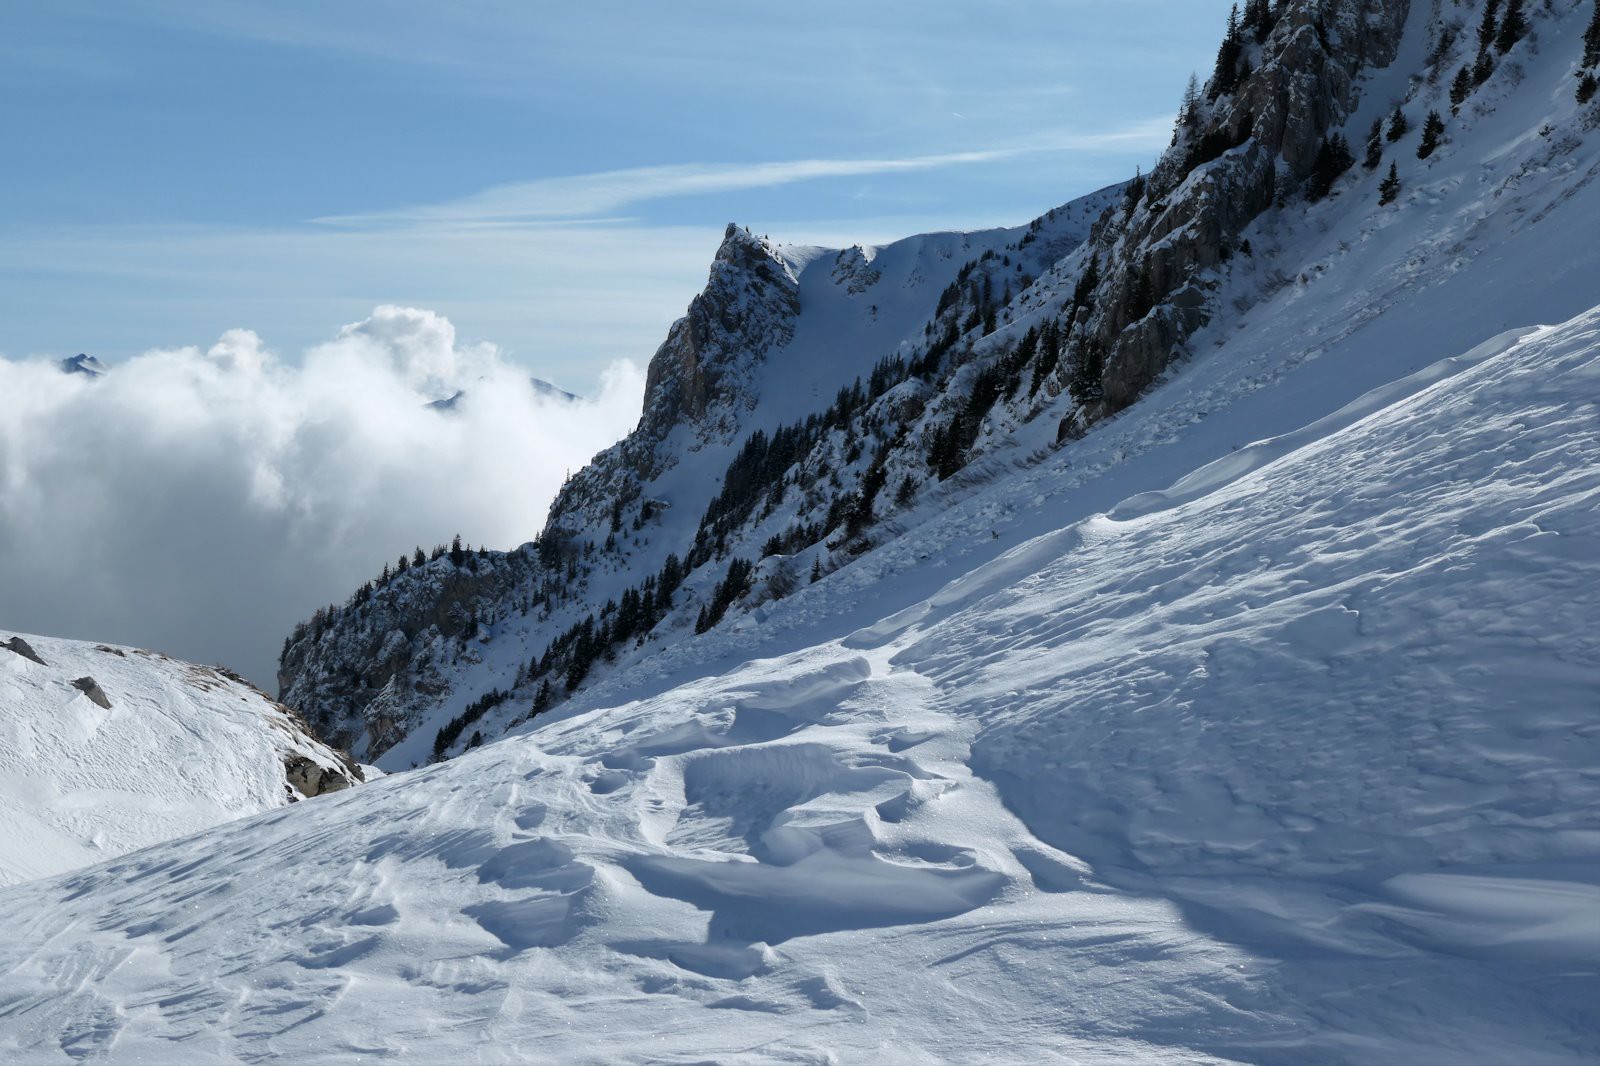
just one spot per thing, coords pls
(1088, 281)
(1513, 27)
(1333, 159)
(1255, 12)
(1225, 79)
(1591, 40)
(458, 554)
(1483, 67)
(1088, 373)
(1487, 28)
(1587, 86)
(1461, 88)
(1189, 110)
(1049, 356)
(1135, 193)
(1374, 145)
(1399, 125)
(1432, 133)
(1141, 295)
(816, 569)
(1266, 19)
(1389, 188)
(418, 558)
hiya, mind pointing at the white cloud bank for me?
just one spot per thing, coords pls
(201, 502)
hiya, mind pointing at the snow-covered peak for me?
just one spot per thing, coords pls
(83, 364)
(700, 374)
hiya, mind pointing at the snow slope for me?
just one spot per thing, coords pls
(1292, 764)
(105, 750)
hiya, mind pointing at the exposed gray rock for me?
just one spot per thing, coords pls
(23, 648)
(309, 779)
(363, 682)
(1305, 82)
(91, 688)
(748, 306)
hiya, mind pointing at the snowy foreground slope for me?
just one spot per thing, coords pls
(1289, 761)
(105, 749)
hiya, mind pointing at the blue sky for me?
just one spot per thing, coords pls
(553, 178)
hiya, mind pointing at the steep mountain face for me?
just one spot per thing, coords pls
(1230, 159)
(950, 360)
(106, 750)
(749, 305)
(778, 333)
(1252, 722)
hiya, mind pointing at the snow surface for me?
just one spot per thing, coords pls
(181, 748)
(1295, 765)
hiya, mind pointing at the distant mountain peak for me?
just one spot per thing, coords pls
(553, 392)
(83, 364)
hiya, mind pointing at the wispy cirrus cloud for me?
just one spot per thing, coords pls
(600, 197)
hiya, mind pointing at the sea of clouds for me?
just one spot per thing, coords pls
(200, 502)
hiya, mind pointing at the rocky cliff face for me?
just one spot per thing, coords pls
(363, 673)
(749, 305)
(1304, 79)
(699, 383)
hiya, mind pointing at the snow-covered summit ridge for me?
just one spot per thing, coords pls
(105, 750)
(746, 310)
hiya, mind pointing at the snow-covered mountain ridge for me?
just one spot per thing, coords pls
(105, 750)
(778, 333)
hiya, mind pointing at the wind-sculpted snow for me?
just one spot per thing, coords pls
(1297, 770)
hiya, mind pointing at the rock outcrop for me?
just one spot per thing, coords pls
(91, 688)
(22, 648)
(1262, 140)
(748, 306)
